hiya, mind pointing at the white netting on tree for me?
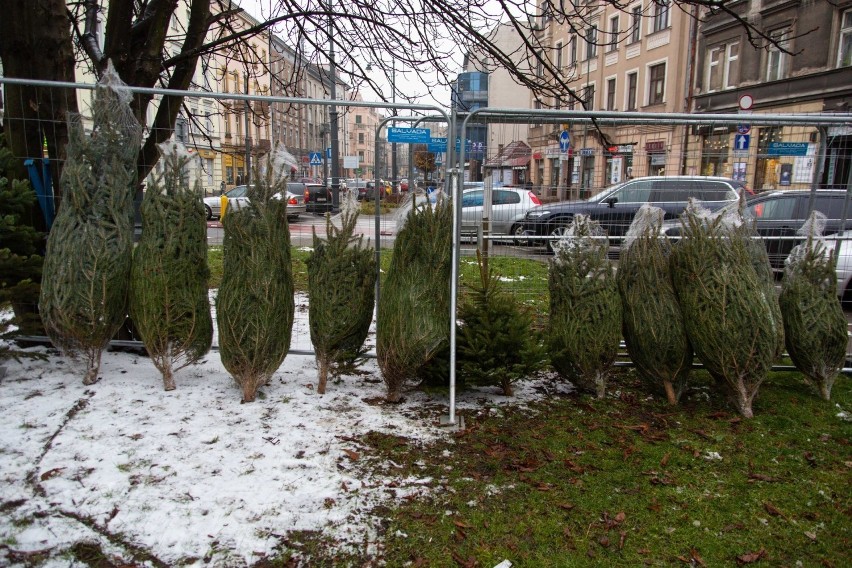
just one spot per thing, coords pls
(812, 230)
(646, 219)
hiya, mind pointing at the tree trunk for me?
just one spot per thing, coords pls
(35, 43)
(322, 372)
(670, 392)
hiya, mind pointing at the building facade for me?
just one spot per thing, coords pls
(807, 68)
(631, 57)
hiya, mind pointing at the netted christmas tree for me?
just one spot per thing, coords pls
(496, 344)
(87, 265)
(652, 323)
(342, 293)
(814, 323)
(255, 304)
(168, 286)
(727, 306)
(585, 309)
(413, 310)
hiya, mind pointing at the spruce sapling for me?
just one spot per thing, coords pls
(255, 304)
(814, 323)
(653, 325)
(342, 293)
(585, 310)
(496, 343)
(168, 289)
(87, 266)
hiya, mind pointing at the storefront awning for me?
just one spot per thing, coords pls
(518, 163)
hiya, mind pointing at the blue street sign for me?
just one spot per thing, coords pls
(437, 145)
(328, 153)
(316, 158)
(744, 128)
(564, 141)
(788, 149)
(409, 135)
(741, 142)
(586, 151)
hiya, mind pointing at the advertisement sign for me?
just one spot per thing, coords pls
(350, 162)
(409, 135)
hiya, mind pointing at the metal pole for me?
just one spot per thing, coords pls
(332, 113)
(394, 164)
(247, 176)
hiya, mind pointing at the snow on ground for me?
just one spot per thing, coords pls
(192, 475)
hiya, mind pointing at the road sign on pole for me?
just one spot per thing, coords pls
(741, 142)
(316, 159)
(564, 140)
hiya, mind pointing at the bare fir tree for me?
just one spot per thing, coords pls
(87, 266)
(168, 289)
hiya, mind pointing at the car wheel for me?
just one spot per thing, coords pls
(517, 231)
(209, 212)
(556, 232)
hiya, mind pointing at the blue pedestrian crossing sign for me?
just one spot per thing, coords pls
(741, 142)
(564, 140)
(316, 159)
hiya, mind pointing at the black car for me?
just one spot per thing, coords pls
(318, 198)
(615, 207)
(778, 216)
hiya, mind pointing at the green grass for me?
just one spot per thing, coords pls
(630, 481)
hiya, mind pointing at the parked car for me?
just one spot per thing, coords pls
(614, 208)
(237, 199)
(509, 206)
(778, 216)
(318, 198)
(843, 246)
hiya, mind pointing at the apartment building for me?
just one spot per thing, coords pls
(362, 124)
(808, 68)
(631, 57)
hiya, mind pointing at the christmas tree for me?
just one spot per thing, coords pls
(814, 323)
(653, 325)
(87, 264)
(168, 289)
(413, 310)
(496, 343)
(255, 304)
(585, 310)
(342, 292)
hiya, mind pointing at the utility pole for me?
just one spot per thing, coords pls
(247, 176)
(332, 113)
(394, 164)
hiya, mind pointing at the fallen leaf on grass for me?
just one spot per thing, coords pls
(696, 558)
(761, 477)
(469, 563)
(811, 459)
(665, 460)
(775, 511)
(352, 455)
(566, 506)
(604, 541)
(750, 557)
(462, 525)
(623, 537)
(811, 535)
(619, 518)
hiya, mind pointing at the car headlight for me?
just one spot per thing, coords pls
(536, 214)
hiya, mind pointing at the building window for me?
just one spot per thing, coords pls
(844, 55)
(360, 138)
(559, 56)
(357, 119)
(610, 94)
(573, 52)
(656, 84)
(589, 97)
(632, 81)
(732, 65)
(776, 60)
(591, 42)
(613, 34)
(661, 15)
(636, 24)
(539, 68)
